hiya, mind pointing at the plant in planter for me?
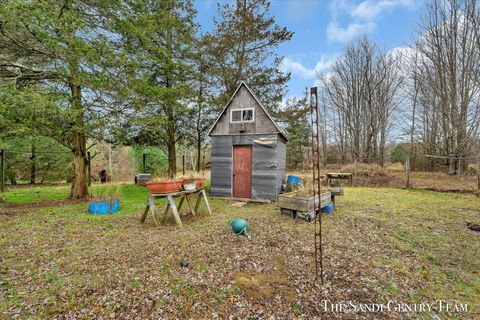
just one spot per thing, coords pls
(196, 179)
(104, 200)
(164, 185)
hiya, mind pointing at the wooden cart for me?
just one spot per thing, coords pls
(297, 206)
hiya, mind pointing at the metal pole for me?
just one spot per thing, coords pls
(144, 163)
(2, 170)
(314, 120)
(89, 168)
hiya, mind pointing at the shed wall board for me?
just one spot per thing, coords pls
(267, 162)
(243, 99)
(221, 164)
(282, 163)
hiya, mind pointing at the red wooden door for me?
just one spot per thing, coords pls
(242, 171)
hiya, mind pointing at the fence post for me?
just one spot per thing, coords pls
(183, 165)
(355, 172)
(144, 163)
(407, 172)
(89, 168)
(478, 175)
(2, 170)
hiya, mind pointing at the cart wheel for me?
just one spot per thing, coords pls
(309, 218)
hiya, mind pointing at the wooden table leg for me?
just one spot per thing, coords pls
(144, 215)
(197, 203)
(174, 210)
(153, 209)
(190, 204)
(180, 204)
(164, 217)
(206, 201)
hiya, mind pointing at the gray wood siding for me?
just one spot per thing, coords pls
(221, 164)
(268, 166)
(243, 99)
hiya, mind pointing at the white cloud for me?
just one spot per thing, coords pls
(370, 9)
(353, 30)
(299, 70)
(362, 17)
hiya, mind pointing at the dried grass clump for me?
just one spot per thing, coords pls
(366, 169)
(395, 167)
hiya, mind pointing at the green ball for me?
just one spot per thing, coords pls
(239, 226)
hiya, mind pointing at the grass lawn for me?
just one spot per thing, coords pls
(381, 244)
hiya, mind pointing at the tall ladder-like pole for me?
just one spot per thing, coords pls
(314, 118)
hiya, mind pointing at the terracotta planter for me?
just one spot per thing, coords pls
(164, 186)
(200, 182)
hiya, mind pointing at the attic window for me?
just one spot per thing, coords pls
(242, 115)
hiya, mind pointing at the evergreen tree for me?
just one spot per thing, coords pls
(56, 58)
(159, 39)
(242, 49)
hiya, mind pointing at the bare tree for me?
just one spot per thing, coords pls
(362, 95)
(448, 71)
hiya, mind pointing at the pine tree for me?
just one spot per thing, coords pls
(60, 54)
(242, 49)
(159, 38)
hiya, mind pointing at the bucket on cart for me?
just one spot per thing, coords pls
(328, 209)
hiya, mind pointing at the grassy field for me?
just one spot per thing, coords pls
(381, 244)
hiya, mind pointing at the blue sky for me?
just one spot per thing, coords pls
(323, 29)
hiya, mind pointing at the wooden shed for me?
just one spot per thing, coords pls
(248, 150)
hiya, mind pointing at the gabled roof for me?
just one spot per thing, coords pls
(256, 99)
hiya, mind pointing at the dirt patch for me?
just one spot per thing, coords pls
(11, 209)
(265, 285)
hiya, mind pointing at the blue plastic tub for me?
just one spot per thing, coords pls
(103, 207)
(329, 208)
(294, 180)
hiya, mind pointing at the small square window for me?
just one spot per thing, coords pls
(236, 115)
(248, 115)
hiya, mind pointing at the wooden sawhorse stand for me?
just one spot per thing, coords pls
(171, 204)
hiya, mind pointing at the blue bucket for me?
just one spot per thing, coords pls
(294, 180)
(329, 208)
(103, 207)
(115, 206)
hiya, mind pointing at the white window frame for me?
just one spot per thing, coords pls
(242, 121)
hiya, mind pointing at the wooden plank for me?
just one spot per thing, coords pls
(339, 175)
(174, 210)
(165, 212)
(190, 204)
(144, 215)
(206, 201)
(197, 203)
(178, 193)
(153, 210)
(303, 204)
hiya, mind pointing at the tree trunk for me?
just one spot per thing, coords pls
(33, 167)
(172, 160)
(79, 148)
(199, 150)
(13, 179)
